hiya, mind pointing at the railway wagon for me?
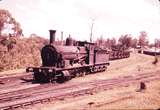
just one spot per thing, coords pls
(118, 52)
(152, 53)
(61, 63)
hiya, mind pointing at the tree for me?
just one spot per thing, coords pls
(125, 40)
(107, 43)
(143, 39)
(113, 41)
(110, 42)
(157, 43)
(134, 43)
(9, 43)
(8, 25)
(100, 41)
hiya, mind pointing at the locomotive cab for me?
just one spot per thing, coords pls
(89, 49)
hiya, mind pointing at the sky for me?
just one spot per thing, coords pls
(110, 18)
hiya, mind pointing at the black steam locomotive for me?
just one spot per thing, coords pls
(61, 63)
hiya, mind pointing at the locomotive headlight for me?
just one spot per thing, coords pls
(50, 70)
(30, 69)
(40, 70)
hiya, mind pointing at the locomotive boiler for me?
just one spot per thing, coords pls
(75, 58)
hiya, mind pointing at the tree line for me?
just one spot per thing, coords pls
(127, 41)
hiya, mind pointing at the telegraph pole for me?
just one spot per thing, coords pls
(62, 38)
(155, 42)
(91, 30)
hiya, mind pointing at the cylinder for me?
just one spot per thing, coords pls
(52, 36)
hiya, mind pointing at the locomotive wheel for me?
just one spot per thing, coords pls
(65, 76)
(40, 77)
(60, 79)
(92, 69)
(77, 75)
(83, 74)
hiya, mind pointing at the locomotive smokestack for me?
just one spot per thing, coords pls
(52, 36)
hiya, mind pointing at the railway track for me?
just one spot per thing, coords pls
(15, 82)
(14, 78)
(50, 92)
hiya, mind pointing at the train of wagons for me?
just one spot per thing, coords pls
(118, 52)
(62, 63)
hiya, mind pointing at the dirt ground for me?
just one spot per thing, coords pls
(117, 98)
(12, 72)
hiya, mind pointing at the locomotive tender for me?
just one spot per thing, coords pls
(61, 63)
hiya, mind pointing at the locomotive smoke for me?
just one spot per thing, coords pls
(52, 36)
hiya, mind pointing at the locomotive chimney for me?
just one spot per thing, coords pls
(52, 36)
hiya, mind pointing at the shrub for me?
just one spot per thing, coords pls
(25, 52)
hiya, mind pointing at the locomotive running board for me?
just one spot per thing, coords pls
(54, 69)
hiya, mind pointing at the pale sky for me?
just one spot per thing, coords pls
(112, 17)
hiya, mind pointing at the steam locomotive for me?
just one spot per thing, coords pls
(62, 63)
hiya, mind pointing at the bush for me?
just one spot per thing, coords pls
(24, 52)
